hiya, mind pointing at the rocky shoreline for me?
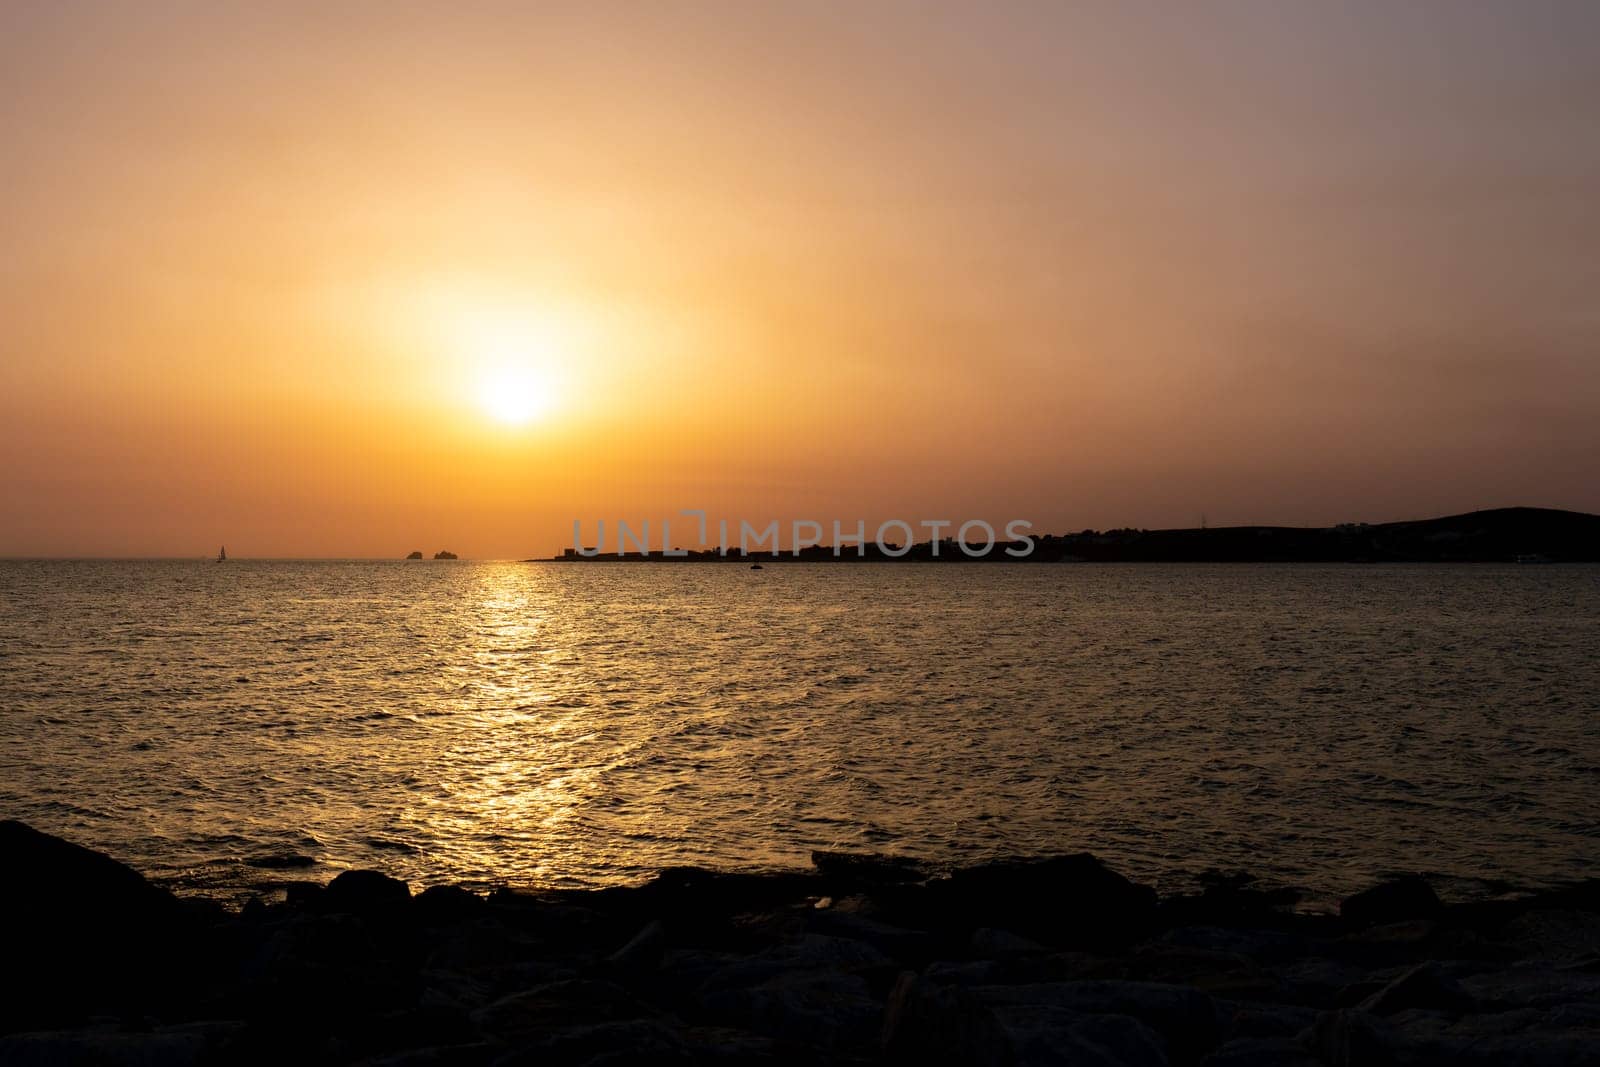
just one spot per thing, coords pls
(862, 959)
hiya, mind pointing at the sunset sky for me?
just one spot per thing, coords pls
(385, 277)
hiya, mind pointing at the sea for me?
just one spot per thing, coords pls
(230, 728)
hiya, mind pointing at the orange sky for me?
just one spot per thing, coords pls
(1088, 265)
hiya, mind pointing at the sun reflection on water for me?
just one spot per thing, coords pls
(518, 768)
(547, 725)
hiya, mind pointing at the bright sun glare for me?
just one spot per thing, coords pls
(514, 396)
(513, 363)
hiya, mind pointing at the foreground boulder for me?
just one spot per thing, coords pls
(1410, 897)
(359, 891)
(1074, 901)
(865, 869)
(863, 960)
(102, 1049)
(82, 932)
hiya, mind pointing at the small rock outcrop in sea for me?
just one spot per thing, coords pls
(865, 959)
(442, 554)
(415, 554)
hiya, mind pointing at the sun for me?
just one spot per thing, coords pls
(515, 395)
(512, 354)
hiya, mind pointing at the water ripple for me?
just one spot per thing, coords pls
(229, 727)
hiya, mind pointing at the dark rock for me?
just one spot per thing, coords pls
(1355, 993)
(803, 959)
(472, 1054)
(1217, 973)
(1423, 986)
(867, 868)
(414, 554)
(911, 947)
(481, 946)
(925, 1022)
(809, 951)
(999, 944)
(358, 891)
(422, 1025)
(1537, 984)
(966, 972)
(1486, 1024)
(82, 933)
(1398, 941)
(1579, 896)
(303, 895)
(1563, 1016)
(690, 895)
(88, 1048)
(525, 974)
(1263, 946)
(561, 927)
(215, 1033)
(821, 1009)
(448, 903)
(1555, 933)
(1317, 980)
(750, 968)
(1496, 1039)
(533, 1013)
(1030, 969)
(1186, 1019)
(1229, 899)
(1352, 1039)
(1408, 897)
(1401, 944)
(1043, 1034)
(645, 949)
(627, 1041)
(1072, 900)
(1558, 1048)
(693, 969)
(1261, 1052)
(711, 1044)
(51, 880)
(1253, 1019)
(322, 968)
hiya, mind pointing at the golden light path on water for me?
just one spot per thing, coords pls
(527, 794)
(232, 727)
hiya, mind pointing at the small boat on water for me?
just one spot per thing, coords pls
(222, 554)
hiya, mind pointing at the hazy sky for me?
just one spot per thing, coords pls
(1085, 264)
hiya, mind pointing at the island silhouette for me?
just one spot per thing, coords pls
(1498, 535)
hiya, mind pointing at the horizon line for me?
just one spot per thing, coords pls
(1206, 527)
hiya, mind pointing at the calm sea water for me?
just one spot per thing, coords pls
(586, 724)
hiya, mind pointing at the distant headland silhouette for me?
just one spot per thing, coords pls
(1499, 535)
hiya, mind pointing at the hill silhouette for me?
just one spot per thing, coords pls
(1498, 535)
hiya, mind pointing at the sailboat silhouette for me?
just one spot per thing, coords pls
(222, 554)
